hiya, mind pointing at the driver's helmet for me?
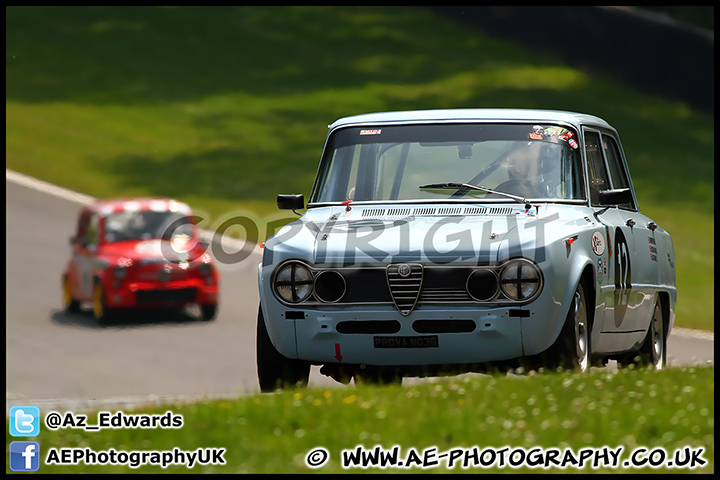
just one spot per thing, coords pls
(536, 161)
(549, 161)
(138, 222)
(522, 163)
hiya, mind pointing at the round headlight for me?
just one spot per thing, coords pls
(294, 282)
(120, 272)
(520, 279)
(205, 269)
(329, 286)
(482, 285)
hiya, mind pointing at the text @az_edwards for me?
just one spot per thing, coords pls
(119, 419)
(25, 456)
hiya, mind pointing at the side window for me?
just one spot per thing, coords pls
(92, 230)
(618, 176)
(596, 169)
(82, 226)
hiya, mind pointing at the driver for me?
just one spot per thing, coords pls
(522, 164)
(523, 171)
(532, 169)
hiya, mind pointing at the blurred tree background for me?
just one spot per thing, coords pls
(225, 107)
(702, 16)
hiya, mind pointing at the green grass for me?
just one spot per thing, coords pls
(224, 107)
(272, 433)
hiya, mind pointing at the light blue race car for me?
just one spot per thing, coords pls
(445, 241)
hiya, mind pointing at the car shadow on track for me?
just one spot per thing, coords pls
(128, 318)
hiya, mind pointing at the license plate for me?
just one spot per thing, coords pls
(430, 341)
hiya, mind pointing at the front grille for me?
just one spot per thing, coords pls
(164, 271)
(405, 281)
(443, 295)
(429, 285)
(445, 285)
(365, 285)
(174, 295)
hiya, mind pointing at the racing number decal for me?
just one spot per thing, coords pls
(622, 261)
(622, 276)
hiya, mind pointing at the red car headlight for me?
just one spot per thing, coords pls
(205, 269)
(120, 272)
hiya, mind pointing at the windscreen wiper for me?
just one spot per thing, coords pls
(458, 186)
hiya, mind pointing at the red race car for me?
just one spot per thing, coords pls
(139, 252)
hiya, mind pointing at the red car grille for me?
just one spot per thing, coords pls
(175, 295)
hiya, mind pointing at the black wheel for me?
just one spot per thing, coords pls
(71, 305)
(653, 351)
(100, 310)
(275, 370)
(572, 348)
(208, 311)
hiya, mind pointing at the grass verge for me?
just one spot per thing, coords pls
(629, 409)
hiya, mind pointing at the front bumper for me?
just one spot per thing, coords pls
(161, 294)
(497, 332)
(428, 336)
(495, 337)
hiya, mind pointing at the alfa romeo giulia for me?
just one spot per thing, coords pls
(454, 240)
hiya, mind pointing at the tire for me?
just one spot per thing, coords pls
(572, 349)
(100, 310)
(274, 370)
(71, 305)
(653, 351)
(208, 311)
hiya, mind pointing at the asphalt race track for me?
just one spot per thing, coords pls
(54, 355)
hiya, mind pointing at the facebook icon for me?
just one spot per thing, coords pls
(24, 456)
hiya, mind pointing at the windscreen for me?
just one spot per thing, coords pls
(390, 163)
(145, 225)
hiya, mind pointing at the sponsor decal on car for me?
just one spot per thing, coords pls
(553, 134)
(598, 243)
(653, 249)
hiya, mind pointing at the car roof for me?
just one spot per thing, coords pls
(116, 205)
(472, 115)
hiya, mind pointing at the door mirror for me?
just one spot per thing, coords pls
(290, 202)
(619, 196)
